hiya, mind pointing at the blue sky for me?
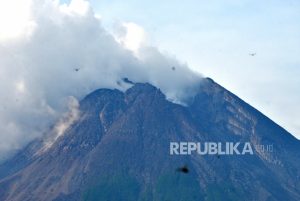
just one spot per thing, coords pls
(215, 38)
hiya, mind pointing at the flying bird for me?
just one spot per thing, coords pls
(77, 69)
(184, 169)
(173, 68)
(252, 54)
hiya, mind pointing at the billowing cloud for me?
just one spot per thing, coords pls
(60, 51)
(131, 36)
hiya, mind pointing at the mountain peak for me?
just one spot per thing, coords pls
(121, 141)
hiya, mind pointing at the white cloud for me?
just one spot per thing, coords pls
(133, 38)
(16, 23)
(20, 86)
(80, 7)
(37, 75)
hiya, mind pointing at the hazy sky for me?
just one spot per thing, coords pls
(42, 42)
(216, 37)
(52, 55)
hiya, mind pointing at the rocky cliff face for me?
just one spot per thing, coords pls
(118, 150)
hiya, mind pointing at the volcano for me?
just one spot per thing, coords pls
(119, 150)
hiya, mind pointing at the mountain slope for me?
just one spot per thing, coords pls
(119, 150)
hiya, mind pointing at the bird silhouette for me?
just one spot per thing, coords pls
(184, 169)
(252, 54)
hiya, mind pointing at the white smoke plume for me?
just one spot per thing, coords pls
(50, 51)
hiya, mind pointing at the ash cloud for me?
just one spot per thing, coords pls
(62, 51)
